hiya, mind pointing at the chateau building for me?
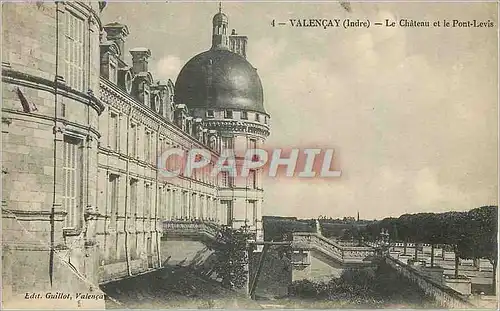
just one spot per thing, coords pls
(84, 198)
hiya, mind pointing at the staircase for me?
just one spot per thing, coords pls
(343, 255)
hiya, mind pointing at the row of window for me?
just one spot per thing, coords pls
(73, 182)
(172, 203)
(173, 163)
(139, 243)
(227, 181)
(228, 114)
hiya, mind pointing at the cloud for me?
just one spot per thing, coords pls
(168, 67)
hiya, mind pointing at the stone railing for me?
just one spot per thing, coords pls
(189, 228)
(445, 296)
(334, 250)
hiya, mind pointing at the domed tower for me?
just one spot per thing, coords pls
(219, 30)
(223, 89)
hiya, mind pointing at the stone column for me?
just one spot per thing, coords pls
(193, 210)
(217, 212)
(202, 206)
(168, 204)
(176, 207)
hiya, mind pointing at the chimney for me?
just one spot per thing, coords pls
(117, 33)
(140, 58)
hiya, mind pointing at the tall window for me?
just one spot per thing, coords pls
(253, 206)
(113, 198)
(148, 146)
(253, 144)
(133, 197)
(224, 179)
(227, 181)
(227, 142)
(253, 179)
(228, 114)
(244, 115)
(72, 180)
(74, 51)
(113, 131)
(147, 201)
(161, 193)
(133, 140)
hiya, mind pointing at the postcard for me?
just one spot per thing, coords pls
(249, 155)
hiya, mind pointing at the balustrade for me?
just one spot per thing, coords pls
(351, 254)
(190, 227)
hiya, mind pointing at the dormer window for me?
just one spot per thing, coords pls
(228, 114)
(257, 117)
(244, 115)
(210, 113)
(128, 82)
(156, 103)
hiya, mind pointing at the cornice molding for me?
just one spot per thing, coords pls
(33, 215)
(237, 126)
(27, 80)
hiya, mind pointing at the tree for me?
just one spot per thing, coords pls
(480, 239)
(231, 250)
(452, 226)
(432, 232)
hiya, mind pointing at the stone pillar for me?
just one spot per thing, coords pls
(219, 212)
(194, 205)
(201, 206)
(177, 204)
(206, 213)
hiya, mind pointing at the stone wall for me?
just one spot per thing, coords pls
(183, 252)
(42, 251)
(275, 276)
(319, 269)
(444, 296)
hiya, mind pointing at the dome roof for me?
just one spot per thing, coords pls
(219, 79)
(220, 18)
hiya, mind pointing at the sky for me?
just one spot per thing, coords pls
(411, 112)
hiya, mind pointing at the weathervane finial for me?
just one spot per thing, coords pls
(220, 6)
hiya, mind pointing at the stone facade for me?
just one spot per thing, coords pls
(84, 198)
(49, 107)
